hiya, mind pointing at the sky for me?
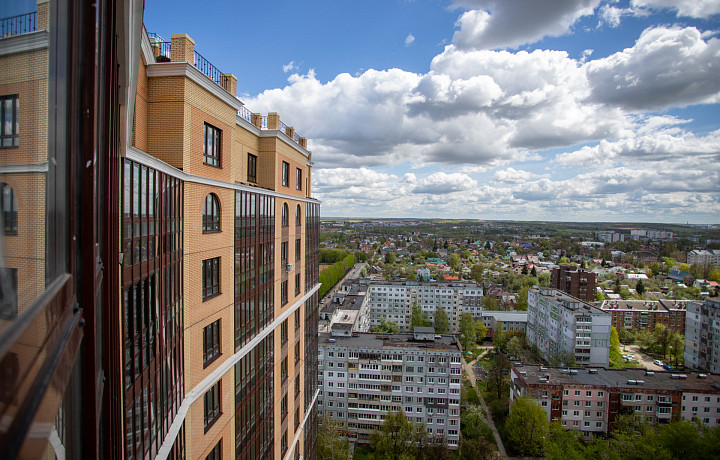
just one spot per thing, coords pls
(560, 110)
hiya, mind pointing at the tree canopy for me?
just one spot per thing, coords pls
(442, 323)
(527, 427)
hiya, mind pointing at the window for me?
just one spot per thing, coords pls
(297, 419)
(297, 319)
(212, 405)
(284, 370)
(211, 277)
(216, 453)
(8, 293)
(9, 209)
(9, 121)
(297, 283)
(285, 212)
(297, 386)
(297, 353)
(283, 254)
(284, 293)
(252, 168)
(298, 178)
(283, 407)
(283, 444)
(298, 216)
(285, 173)
(211, 214)
(284, 332)
(211, 342)
(211, 146)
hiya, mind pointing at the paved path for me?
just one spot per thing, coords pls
(471, 376)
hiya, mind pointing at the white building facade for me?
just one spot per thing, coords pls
(567, 330)
(702, 335)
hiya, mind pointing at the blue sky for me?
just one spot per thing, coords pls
(590, 110)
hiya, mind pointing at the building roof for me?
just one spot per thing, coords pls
(506, 315)
(385, 341)
(622, 379)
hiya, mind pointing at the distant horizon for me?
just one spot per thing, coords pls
(687, 224)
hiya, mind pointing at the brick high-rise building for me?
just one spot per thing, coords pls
(575, 281)
(159, 262)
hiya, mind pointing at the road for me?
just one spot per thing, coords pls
(471, 377)
(353, 273)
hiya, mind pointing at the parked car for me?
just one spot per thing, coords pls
(658, 362)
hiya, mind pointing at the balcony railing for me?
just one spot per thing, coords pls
(18, 25)
(204, 66)
(245, 114)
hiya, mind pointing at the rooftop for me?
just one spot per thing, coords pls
(569, 302)
(385, 341)
(618, 378)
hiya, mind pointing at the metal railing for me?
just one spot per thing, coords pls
(164, 50)
(204, 66)
(264, 122)
(282, 127)
(245, 114)
(18, 25)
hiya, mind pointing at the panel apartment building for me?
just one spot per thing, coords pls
(365, 375)
(566, 329)
(394, 300)
(635, 315)
(160, 271)
(591, 399)
(702, 335)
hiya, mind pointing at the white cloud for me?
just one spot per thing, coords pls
(687, 8)
(612, 15)
(492, 24)
(289, 67)
(666, 67)
(512, 176)
(409, 39)
(443, 183)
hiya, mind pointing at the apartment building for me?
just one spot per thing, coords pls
(703, 257)
(643, 234)
(610, 236)
(591, 399)
(160, 249)
(575, 281)
(510, 320)
(566, 329)
(702, 335)
(635, 315)
(364, 376)
(394, 300)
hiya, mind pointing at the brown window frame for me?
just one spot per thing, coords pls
(10, 217)
(211, 267)
(212, 405)
(298, 179)
(285, 174)
(211, 343)
(212, 145)
(284, 293)
(211, 214)
(14, 135)
(252, 167)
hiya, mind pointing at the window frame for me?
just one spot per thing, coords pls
(252, 167)
(212, 267)
(14, 134)
(285, 174)
(284, 218)
(211, 343)
(212, 405)
(10, 226)
(212, 151)
(298, 179)
(284, 293)
(211, 220)
(298, 216)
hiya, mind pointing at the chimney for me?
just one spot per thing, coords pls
(182, 48)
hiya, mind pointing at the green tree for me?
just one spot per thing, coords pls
(419, 318)
(640, 287)
(454, 261)
(331, 445)
(514, 346)
(680, 438)
(480, 331)
(521, 300)
(533, 272)
(395, 440)
(599, 297)
(390, 257)
(476, 272)
(544, 279)
(662, 335)
(489, 303)
(442, 323)
(616, 359)
(563, 444)
(468, 333)
(499, 337)
(677, 348)
(527, 427)
(476, 449)
(386, 325)
(499, 376)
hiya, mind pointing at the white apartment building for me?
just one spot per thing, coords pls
(394, 300)
(363, 376)
(566, 329)
(704, 257)
(702, 335)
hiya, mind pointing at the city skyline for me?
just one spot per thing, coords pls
(575, 110)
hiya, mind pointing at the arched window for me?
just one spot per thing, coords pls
(298, 216)
(285, 212)
(9, 209)
(211, 214)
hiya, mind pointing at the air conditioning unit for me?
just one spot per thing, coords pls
(289, 267)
